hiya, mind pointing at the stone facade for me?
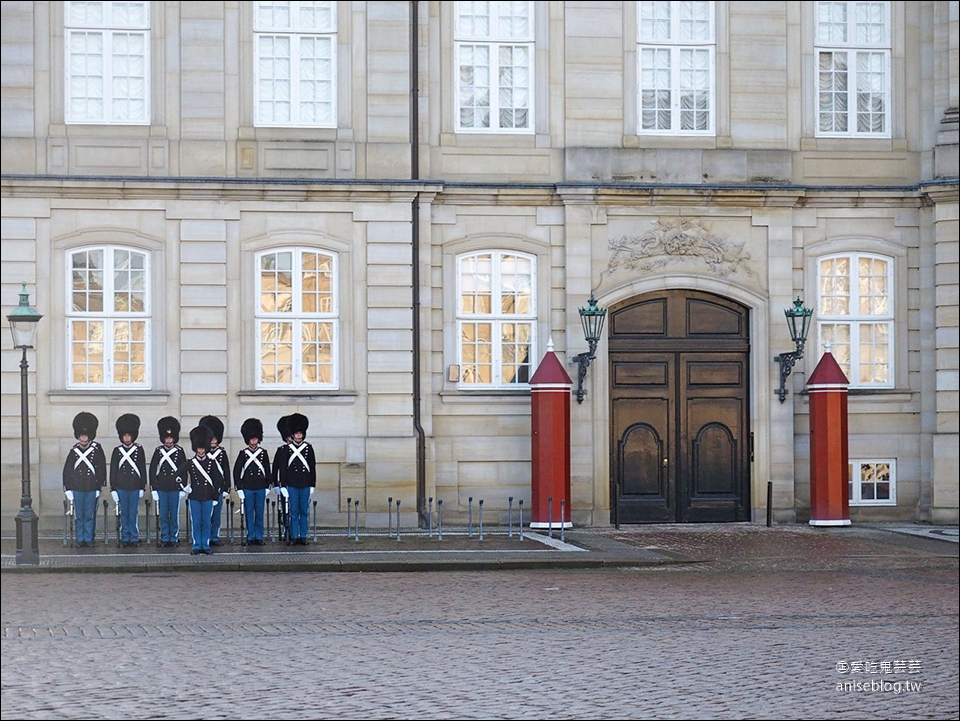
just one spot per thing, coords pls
(744, 213)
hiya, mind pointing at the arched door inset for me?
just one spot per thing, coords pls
(679, 400)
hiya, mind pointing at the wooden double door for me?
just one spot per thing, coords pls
(679, 399)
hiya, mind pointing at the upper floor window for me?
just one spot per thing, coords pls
(496, 318)
(676, 51)
(855, 316)
(296, 59)
(494, 55)
(853, 69)
(108, 318)
(297, 319)
(108, 62)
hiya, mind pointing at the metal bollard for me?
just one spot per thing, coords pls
(550, 517)
(439, 519)
(66, 510)
(356, 519)
(520, 503)
(398, 520)
(349, 502)
(273, 514)
(105, 534)
(389, 516)
(481, 519)
(146, 519)
(510, 517)
(430, 518)
(314, 521)
(470, 516)
(229, 521)
(563, 516)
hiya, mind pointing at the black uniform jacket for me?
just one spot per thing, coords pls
(251, 472)
(128, 468)
(165, 468)
(85, 468)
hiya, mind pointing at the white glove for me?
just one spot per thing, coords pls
(188, 489)
(156, 496)
(216, 503)
(98, 494)
(240, 493)
(226, 495)
(69, 495)
(141, 494)
(115, 496)
(312, 489)
(285, 492)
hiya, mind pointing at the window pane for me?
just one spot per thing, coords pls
(276, 353)
(317, 353)
(476, 341)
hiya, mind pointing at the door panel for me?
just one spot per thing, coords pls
(680, 409)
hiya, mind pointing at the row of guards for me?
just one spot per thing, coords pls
(203, 481)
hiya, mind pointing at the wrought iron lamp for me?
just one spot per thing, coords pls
(798, 321)
(592, 319)
(23, 326)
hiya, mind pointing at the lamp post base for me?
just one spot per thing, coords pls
(28, 548)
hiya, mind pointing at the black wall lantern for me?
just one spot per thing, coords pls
(798, 321)
(592, 319)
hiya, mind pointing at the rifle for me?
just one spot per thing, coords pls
(243, 530)
(283, 518)
(116, 509)
(157, 521)
(66, 513)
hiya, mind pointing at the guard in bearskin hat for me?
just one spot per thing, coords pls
(295, 475)
(220, 456)
(84, 476)
(166, 485)
(251, 478)
(128, 477)
(204, 480)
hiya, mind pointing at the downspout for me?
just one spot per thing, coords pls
(415, 247)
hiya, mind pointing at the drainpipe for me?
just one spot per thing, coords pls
(415, 243)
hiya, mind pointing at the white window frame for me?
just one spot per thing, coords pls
(298, 318)
(867, 64)
(673, 47)
(117, 89)
(872, 467)
(496, 44)
(111, 319)
(498, 319)
(861, 334)
(297, 33)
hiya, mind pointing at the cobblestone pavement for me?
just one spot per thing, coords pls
(755, 623)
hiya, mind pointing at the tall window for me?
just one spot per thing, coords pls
(108, 318)
(108, 62)
(496, 318)
(296, 61)
(676, 54)
(855, 316)
(873, 483)
(853, 68)
(297, 319)
(494, 49)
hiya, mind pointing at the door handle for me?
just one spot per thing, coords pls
(665, 462)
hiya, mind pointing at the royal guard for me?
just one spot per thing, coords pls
(204, 483)
(84, 476)
(218, 454)
(166, 484)
(295, 470)
(251, 478)
(128, 477)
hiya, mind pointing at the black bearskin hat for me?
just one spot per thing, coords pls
(251, 428)
(169, 426)
(283, 427)
(85, 424)
(200, 437)
(215, 425)
(128, 423)
(298, 422)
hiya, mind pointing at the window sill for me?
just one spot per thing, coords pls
(271, 397)
(498, 396)
(106, 395)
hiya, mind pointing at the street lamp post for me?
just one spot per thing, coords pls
(23, 326)
(591, 318)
